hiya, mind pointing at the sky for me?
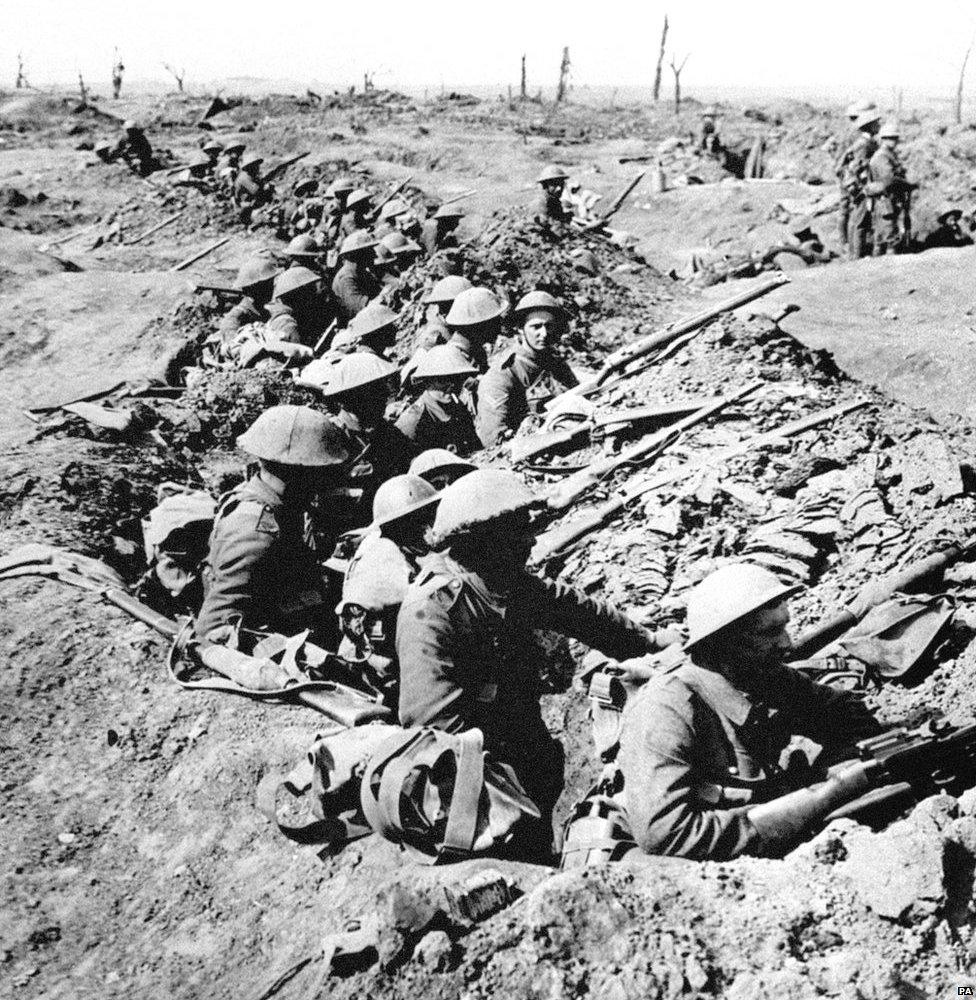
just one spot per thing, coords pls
(832, 47)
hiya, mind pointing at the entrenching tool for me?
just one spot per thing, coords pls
(619, 362)
(522, 449)
(558, 540)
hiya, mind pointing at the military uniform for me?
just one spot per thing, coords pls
(303, 327)
(890, 193)
(134, 148)
(696, 752)
(241, 314)
(354, 287)
(430, 422)
(249, 192)
(260, 573)
(854, 177)
(550, 209)
(432, 240)
(516, 381)
(466, 660)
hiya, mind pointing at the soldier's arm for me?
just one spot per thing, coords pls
(430, 690)
(598, 624)
(562, 372)
(237, 550)
(668, 812)
(496, 414)
(409, 421)
(882, 171)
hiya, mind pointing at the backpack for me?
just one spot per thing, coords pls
(176, 540)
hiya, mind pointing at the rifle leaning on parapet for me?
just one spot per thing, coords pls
(278, 168)
(522, 449)
(375, 214)
(825, 632)
(891, 771)
(620, 360)
(614, 206)
(557, 540)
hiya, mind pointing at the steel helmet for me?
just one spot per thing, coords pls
(449, 212)
(443, 361)
(294, 435)
(358, 196)
(356, 241)
(447, 289)
(199, 159)
(435, 460)
(730, 594)
(551, 173)
(373, 318)
(304, 186)
(353, 371)
(709, 111)
(255, 271)
(343, 340)
(479, 498)
(949, 213)
(251, 160)
(234, 146)
(377, 577)
(393, 208)
(212, 146)
(382, 255)
(397, 243)
(339, 186)
(293, 279)
(302, 246)
(317, 373)
(867, 118)
(474, 306)
(401, 496)
(131, 126)
(539, 300)
(103, 145)
(890, 130)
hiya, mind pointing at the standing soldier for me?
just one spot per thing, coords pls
(854, 180)
(438, 418)
(465, 639)
(260, 574)
(522, 378)
(117, 70)
(550, 212)
(701, 743)
(891, 194)
(355, 285)
(845, 146)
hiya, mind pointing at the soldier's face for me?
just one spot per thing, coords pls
(763, 638)
(539, 329)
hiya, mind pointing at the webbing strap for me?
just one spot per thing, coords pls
(335, 831)
(380, 819)
(462, 818)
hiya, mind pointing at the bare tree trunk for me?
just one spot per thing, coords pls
(21, 76)
(676, 69)
(962, 76)
(563, 76)
(660, 60)
(177, 76)
(82, 89)
(522, 88)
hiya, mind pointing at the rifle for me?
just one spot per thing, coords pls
(622, 358)
(274, 171)
(219, 290)
(183, 264)
(457, 197)
(154, 229)
(568, 491)
(891, 770)
(822, 634)
(325, 336)
(556, 541)
(389, 197)
(522, 449)
(614, 206)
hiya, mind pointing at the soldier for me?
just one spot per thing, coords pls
(475, 323)
(708, 141)
(249, 190)
(255, 280)
(117, 70)
(335, 207)
(389, 214)
(853, 174)
(106, 151)
(465, 630)
(358, 211)
(440, 467)
(354, 284)
(213, 149)
(439, 231)
(229, 164)
(357, 389)
(434, 331)
(550, 211)
(438, 418)
(890, 194)
(520, 379)
(700, 744)
(385, 266)
(260, 574)
(298, 312)
(403, 511)
(195, 174)
(375, 330)
(134, 148)
(304, 251)
(303, 211)
(402, 249)
(948, 232)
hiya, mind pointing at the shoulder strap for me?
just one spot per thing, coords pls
(462, 819)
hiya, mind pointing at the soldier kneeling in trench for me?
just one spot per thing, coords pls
(464, 633)
(701, 745)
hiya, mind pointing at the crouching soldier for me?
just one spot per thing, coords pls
(701, 746)
(261, 576)
(464, 633)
